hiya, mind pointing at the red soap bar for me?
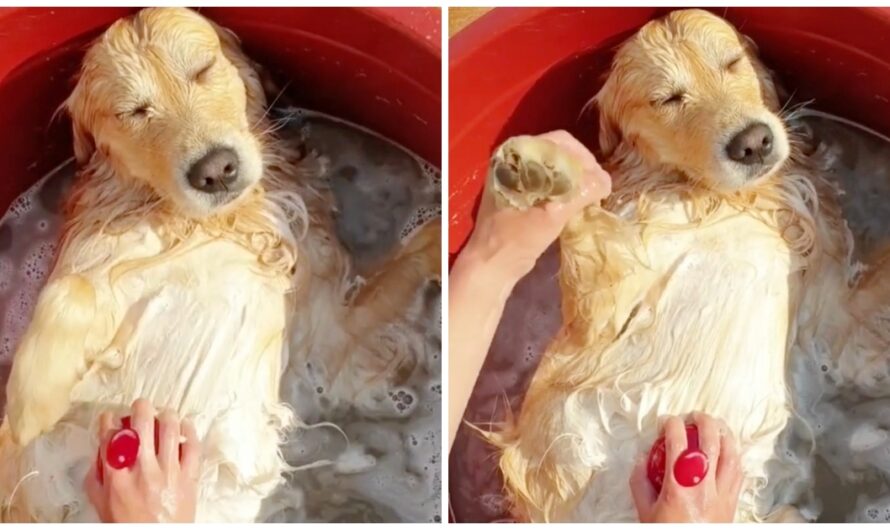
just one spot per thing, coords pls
(689, 469)
(125, 421)
(122, 449)
(655, 467)
(125, 446)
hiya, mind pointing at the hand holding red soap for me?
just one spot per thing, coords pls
(123, 448)
(145, 486)
(705, 477)
(690, 468)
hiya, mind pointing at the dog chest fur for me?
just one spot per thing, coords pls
(699, 322)
(198, 328)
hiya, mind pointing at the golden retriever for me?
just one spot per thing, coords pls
(193, 239)
(685, 291)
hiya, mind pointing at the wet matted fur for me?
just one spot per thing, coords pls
(186, 298)
(685, 290)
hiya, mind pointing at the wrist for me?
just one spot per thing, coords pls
(495, 261)
(483, 276)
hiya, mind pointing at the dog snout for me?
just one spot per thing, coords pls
(214, 172)
(752, 145)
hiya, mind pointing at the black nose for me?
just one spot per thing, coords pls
(752, 145)
(214, 172)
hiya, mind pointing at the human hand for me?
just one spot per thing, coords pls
(158, 488)
(519, 237)
(714, 499)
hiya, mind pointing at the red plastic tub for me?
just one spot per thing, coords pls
(378, 67)
(530, 70)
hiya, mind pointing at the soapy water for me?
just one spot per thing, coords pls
(380, 469)
(382, 196)
(852, 431)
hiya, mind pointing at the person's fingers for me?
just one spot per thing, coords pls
(118, 483)
(168, 438)
(566, 141)
(709, 436)
(641, 489)
(730, 477)
(675, 443)
(559, 136)
(729, 470)
(105, 425)
(582, 154)
(596, 185)
(143, 422)
(107, 428)
(735, 486)
(191, 449)
(96, 494)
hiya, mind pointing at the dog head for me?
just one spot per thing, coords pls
(167, 98)
(688, 92)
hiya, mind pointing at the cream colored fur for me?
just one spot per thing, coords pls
(685, 291)
(161, 294)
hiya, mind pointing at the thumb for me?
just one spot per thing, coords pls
(596, 185)
(96, 494)
(642, 491)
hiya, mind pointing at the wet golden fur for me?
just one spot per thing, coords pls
(156, 92)
(685, 290)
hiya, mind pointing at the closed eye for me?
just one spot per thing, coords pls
(674, 99)
(201, 74)
(140, 111)
(732, 63)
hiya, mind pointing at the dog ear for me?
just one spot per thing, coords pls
(774, 94)
(247, 69)
(84, 144)
(75, 107)
(609, 136)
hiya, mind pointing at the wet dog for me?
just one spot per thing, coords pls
(198, 264)
(686, 289)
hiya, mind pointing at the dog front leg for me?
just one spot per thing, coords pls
(399, 293)
(50, 358)
(387, 295)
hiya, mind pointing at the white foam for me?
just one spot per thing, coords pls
(404, 400)
(420, 217)
(431, 172)
(26, 263)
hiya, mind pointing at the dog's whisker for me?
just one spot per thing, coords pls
(274, 126)
(797, 111)
(271, 105)
(787, 102)
(271, 130)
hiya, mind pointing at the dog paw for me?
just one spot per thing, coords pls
(527, 170)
